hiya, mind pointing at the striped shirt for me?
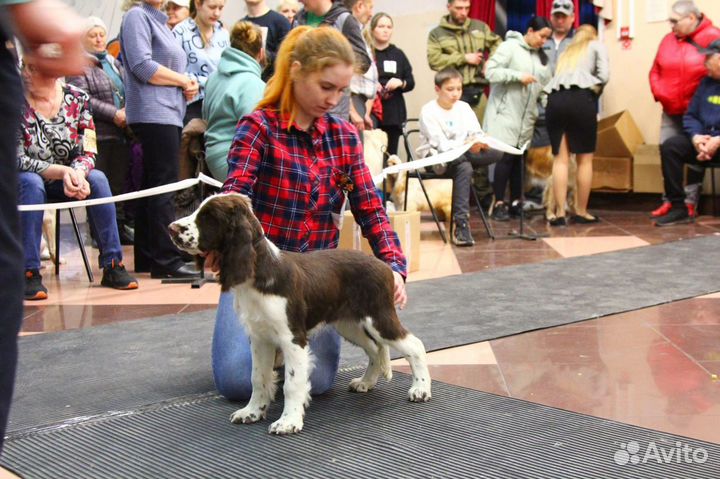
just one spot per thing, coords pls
(295, 180)
(147, 43)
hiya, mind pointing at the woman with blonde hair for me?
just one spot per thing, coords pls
(299, 166)
(581, 74)
(231, 93)
(288, 9)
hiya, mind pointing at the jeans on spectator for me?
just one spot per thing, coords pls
(674, 154)
(670, 126)
(461, 171)
(33, 190)
(232, 359)
(11, 272)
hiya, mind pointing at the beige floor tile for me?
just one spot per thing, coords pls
(478, 353)
(581, 246)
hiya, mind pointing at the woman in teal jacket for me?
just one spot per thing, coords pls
(517, 72)
(231, 93)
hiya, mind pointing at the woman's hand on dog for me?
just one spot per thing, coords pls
(400, 292)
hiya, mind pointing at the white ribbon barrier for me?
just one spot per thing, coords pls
(158, 190)
(447, 157)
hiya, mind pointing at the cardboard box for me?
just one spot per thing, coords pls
(618, 136)
(647, 172)
(612, 174)
(405, 224)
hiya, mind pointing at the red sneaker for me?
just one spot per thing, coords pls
(662, 210)
(692, 212)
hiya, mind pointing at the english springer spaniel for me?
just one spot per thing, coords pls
(282, 297)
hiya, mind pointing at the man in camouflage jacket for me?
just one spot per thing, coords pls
(465, 44)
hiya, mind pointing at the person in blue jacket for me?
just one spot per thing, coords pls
(700, 145)
(231, 93)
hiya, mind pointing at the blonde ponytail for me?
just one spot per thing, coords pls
(577, 49)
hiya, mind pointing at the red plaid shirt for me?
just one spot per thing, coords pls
(297, 182)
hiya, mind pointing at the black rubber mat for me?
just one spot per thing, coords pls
(461, 433)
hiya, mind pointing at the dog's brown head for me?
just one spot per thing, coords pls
(225, 225)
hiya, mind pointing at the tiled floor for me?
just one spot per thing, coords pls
(655, 367)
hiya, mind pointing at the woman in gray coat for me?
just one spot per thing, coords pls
(517, 73)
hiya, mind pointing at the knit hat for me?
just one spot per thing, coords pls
(92, 22)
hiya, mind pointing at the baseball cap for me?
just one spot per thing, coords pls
(181, 3)
(711, 49)
(566, 7)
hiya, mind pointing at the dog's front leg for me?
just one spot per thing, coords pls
(296, 389)
(263, 383)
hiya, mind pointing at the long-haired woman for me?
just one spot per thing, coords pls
(299, 166)
(395, 75)
(203, 39)
(581, 74)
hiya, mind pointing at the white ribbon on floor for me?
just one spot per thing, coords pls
(158, 190)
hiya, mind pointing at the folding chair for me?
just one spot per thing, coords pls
(411, 139)
(74, 222)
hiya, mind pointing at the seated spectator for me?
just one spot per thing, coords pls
(231, 93)
(103, 82)
(177, 11)
(56, 159)
(203, 39)
(675, 75)
(700, 145)
(288, 9)
(448, 123)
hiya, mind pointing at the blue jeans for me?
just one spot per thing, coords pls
(33, 190)
(232, 359)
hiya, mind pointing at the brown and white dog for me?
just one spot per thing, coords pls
(281, 297)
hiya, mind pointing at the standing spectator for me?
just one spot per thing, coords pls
(581, 74)
(395, 76)
(334, 14)
(698, 145)
(177, 11)
(562, 18)
(232, 92)
(203, 39)
(276, 27)
(299, 166)
(676, 72)
(102, 80)
(156, 89)
(37, 24)
(288, 9)
(363, 88)
(464, 43)
(518, 72)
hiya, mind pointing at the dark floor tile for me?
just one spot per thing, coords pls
(62, 317)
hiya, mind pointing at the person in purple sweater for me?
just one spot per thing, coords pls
(156, 90)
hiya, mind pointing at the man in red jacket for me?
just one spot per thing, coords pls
(674, 77)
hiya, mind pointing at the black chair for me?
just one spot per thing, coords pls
(76, 229)
(411, 135)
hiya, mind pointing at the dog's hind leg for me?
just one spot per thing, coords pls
(297, 388)
(378, 355)
(263, 383)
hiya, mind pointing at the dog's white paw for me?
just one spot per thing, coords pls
(286, 425)
(357, 385)
(248, 415)
(419, 394)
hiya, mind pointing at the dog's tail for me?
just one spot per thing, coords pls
(384, 360)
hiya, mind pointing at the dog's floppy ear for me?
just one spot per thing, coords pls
(237, 252)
